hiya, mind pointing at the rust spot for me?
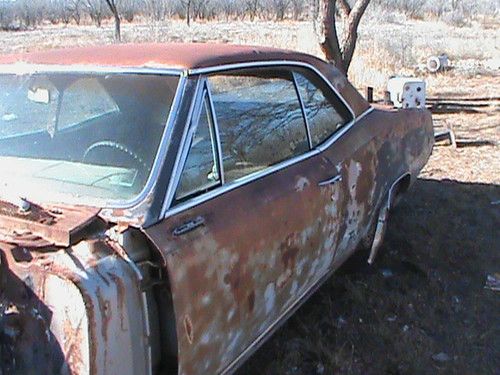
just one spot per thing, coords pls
(251, 301)
(120, 289)
(104, 308)
(239, 279)
(188, 327)
(72, 345)
(289, 251)
(289, 256)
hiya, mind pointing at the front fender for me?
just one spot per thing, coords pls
(76, 310)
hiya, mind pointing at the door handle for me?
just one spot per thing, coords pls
(189, 226)
(331, 181)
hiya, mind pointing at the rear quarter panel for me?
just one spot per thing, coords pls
(382, 146)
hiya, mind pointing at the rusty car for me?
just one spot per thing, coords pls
(165, 207)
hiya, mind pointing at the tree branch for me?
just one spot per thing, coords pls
(345, 7)
(326, 30)
(350, 32)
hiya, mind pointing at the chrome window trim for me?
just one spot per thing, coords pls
(216, 129)
(193, 127)
(183, 150)
(168, 211)
(26, 68)
(284, 63)
(335, 136)
(303, 109)
(237, 183)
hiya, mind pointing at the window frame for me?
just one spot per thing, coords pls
(299, 102)
(171, 209)
(334, 98)
(201, 99)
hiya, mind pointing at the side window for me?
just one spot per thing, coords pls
(325, 113)
(259, 119)
(200, 171)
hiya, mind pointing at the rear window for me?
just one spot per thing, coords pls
(326, 114)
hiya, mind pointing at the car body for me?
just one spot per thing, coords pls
(166, 207)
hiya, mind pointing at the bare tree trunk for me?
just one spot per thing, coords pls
(326, 30)
(338, 53)
(114, 9)
(188, 12)
(118, 33)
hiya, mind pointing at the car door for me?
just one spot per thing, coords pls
(255, 220)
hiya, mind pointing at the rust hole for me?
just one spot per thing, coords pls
(188, 326)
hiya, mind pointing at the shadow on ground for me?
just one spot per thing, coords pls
(421, 309)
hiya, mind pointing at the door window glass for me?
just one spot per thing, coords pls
(325, 114)
(200, 171)
(259, 119)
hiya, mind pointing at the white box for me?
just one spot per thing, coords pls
(407, 92)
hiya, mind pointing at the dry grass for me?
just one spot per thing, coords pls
(384, 49)
(443, 239)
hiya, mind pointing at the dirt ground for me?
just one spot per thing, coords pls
(422, 307)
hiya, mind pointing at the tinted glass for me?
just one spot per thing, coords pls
(259, 118)
(325, 113)
(200, 171)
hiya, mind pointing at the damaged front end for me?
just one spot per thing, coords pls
(66, 292)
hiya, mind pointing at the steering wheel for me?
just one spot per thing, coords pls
(136, 159)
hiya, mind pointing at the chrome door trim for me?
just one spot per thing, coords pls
(216, 130)
(260, 64)
(394, 184)
(21, 67)
(168, 211)
(335, 136)
(182, 151)
(237, 183)
(331, 181)
(303, 109)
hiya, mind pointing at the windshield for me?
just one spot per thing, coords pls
(81, 138)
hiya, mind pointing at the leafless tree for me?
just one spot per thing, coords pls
(338, 51)
(156, 9)
(113, 7)
(252, 8)
(298, 7)
(129, 9)
(28, 13)
(280, 8)
(95, 10)
(75, 9)
(187, 8)
(227, 8)
(200, 9)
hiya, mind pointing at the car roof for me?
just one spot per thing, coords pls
(175, 56)
(185, 56)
